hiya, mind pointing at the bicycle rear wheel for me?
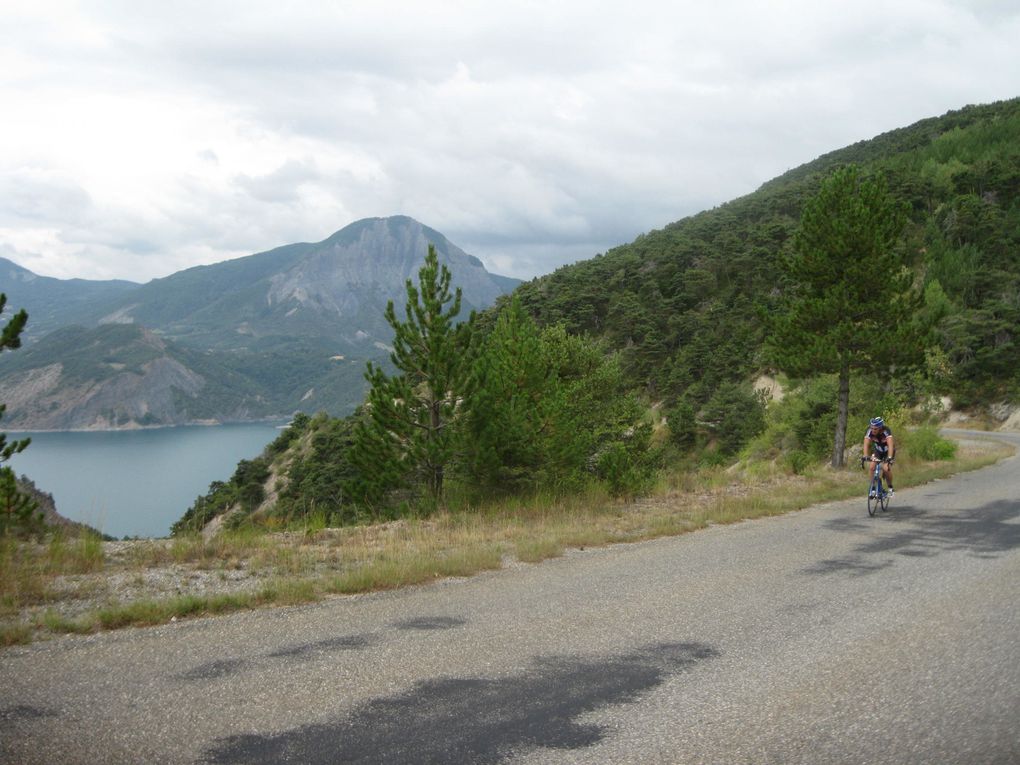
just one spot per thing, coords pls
(885, 500)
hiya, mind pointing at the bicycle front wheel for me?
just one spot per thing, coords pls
(874, 499)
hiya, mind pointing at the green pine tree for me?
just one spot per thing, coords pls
(17, 510)
(407, 440)
(598, 411)
(683, 425)
(850, 297)
(513, 407)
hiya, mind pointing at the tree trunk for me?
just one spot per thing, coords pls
(842, 414)
(436, 469)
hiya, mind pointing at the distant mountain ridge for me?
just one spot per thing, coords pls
(336, 289)
(54, 303)
(257, 337)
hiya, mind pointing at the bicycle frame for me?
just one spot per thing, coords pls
(877, 496)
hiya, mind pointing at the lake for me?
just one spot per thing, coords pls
(136, 482)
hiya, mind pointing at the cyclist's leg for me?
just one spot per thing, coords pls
(887, 471)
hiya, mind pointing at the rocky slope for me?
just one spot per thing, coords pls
(116, 377)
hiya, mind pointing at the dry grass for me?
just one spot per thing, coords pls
(79, 586)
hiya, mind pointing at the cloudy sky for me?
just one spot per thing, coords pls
(138, 138)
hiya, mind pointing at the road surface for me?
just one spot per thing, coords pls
(822, 636)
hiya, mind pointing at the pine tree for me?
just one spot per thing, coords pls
(850, 295)
(17, 510)
(513, 406)
(407, 439)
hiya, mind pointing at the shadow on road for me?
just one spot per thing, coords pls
(25, 712)
(909, 531)
(476, 720)
(307, 651)
(298, 652)
(429, 624)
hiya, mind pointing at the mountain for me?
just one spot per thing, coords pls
(54, 303)
(257, 337)
(335, 290)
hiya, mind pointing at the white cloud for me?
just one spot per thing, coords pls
(139, 139)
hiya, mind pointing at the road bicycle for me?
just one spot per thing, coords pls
(877, 496)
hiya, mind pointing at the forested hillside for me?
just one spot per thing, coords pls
(685, 304)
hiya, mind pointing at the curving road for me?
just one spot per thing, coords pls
(822, 636)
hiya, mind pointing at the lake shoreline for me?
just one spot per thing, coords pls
(137, 483)
(280, 422)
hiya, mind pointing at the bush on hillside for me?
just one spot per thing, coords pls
(735, 414)
(925, 443)
(683, 425)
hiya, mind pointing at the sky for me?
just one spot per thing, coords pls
(139, 138)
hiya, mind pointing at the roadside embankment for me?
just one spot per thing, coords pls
(81, 585)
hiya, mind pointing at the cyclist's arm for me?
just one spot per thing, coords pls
(867, 446)
(892, 446)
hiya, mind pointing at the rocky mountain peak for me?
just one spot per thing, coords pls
(370, 261)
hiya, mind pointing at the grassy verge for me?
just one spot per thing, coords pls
(304, 566)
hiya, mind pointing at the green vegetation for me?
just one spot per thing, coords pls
(733, 415)
(17, 510)
(490, 410)
(798, 431)
(926, 444)
(547, 410)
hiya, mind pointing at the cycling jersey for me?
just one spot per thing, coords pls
(880, 440)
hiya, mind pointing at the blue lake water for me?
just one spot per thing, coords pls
(138, 482)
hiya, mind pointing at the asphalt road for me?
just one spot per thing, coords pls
(823, 636)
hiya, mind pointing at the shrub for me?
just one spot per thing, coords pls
(682, 423)
(622, 470)
(736, 414)
(799, 461)
(925, 443)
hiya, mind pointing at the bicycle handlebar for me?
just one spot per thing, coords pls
(872, 458)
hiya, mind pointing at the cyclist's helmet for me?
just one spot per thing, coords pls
(877, 422)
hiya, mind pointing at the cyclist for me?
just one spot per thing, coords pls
(879, 439)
